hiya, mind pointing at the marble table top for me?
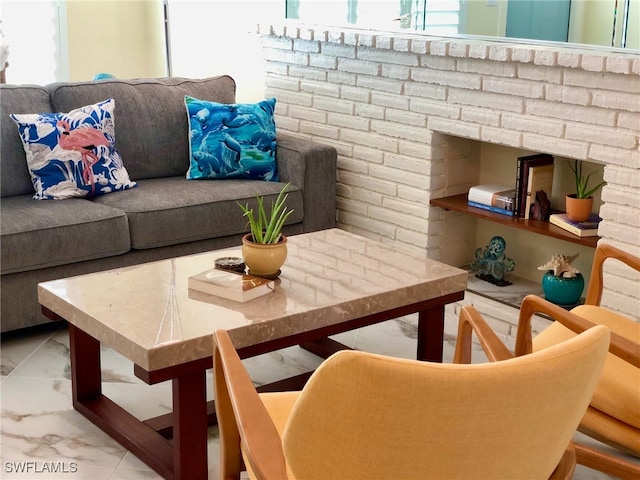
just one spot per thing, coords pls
(147, 313)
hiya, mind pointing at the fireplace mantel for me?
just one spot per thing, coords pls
(392, 103)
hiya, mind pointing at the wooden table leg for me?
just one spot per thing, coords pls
(431, 334)
(189, 447)
(86, 382)
(190, 427)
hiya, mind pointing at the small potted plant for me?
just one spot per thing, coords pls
(265, 248)
(580, 204)
(562, 283)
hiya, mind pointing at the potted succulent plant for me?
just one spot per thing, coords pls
(580, 204)
(562, 283)
(265, 248)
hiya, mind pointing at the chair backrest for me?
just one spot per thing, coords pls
(596, 281)
(365, 416)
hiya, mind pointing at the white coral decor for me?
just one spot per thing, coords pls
(561, 266)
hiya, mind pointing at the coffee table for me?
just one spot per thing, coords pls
(333, 281)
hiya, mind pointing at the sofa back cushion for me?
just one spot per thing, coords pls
(152, 133)
(15, 178)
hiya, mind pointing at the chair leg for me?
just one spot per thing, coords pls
(608, 464)
(567, 466)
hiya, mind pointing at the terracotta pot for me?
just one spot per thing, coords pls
(578, 209)
(264, 260)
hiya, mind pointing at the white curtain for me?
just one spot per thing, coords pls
(32, 31)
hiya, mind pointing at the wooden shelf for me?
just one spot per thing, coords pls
(458, 203)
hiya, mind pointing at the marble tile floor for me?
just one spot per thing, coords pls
(39, 424)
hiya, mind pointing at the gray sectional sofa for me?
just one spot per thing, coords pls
(164, 216)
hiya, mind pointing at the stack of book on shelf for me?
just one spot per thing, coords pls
(493, 197)
(588, 228)
(534, 180)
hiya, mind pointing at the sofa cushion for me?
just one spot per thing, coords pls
(45, 234)
(231, 140)
(73, 154)
(15, 178)
(175, 210)
(151, 133)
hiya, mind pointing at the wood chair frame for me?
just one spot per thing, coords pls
(494, 348)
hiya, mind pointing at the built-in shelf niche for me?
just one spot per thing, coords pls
(530, 243)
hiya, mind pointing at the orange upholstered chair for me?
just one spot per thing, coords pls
(367, 416)
(613, 416)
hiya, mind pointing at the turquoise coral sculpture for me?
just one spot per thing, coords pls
(492, 263)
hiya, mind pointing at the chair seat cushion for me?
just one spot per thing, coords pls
(611, 431)
(173, 210)
(39, 234)
(618, 392)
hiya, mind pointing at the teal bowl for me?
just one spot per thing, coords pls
(562, 291)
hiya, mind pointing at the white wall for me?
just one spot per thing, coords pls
(124, 39)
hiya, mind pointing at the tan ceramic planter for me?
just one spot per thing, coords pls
(264, 260)
(578, 209)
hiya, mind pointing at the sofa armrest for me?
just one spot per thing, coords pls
(312, 167)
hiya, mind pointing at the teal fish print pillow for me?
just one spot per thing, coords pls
(235, 140)
(73, 154)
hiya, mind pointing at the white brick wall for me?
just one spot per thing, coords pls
(384, 102)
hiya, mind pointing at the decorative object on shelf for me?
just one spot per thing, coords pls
(580, 204)
(562, 283)
(578, 209)
(265, 248)
(491, 263)
(541, 208)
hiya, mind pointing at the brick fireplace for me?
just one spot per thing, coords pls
(402, 110)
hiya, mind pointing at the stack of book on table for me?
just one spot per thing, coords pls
(493, 197)
(232, 285)
(588, 228)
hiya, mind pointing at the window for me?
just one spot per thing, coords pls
(32, 30)
(435, 17)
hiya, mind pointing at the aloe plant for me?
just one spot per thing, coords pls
(267, 228)
(582, 182)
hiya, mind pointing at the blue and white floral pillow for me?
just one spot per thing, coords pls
(231, 140)
(73, 154)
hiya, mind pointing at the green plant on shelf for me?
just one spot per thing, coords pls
(582, 181)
